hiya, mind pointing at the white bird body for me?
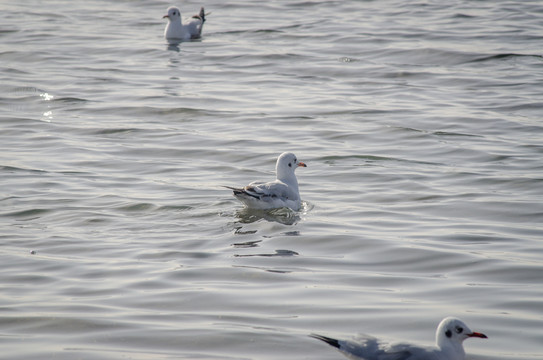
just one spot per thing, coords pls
(450, 334)
(283, 192)
(177, 31)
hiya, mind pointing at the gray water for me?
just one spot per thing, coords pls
(421, 125)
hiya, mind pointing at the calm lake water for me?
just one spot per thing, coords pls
(421, 125)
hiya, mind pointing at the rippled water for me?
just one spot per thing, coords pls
(421, 126)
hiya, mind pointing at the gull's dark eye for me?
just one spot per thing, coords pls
(459, 329)
(448, 333)
(174, 13)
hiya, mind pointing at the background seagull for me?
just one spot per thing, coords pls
(176, 30)
(283, 192)
(450, 334)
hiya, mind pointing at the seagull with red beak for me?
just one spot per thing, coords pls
(451, 333)
(283, 192)
(177, 31)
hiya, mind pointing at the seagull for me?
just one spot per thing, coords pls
(175, 30)
(283, 192)
(450, 334)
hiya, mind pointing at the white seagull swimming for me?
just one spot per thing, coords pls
(450, 334)
(176, 30)
(283, 192)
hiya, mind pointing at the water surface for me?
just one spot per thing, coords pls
(421, 126)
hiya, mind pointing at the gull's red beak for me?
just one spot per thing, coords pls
(165, 16)
(479, 335)
(302, 164)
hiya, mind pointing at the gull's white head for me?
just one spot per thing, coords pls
(450, 334)
(286, 164)
(173, 14)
